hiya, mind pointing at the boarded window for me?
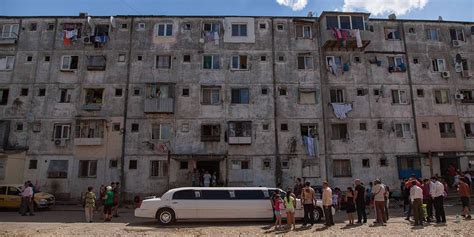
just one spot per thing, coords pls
(96, 63)
(307, 96)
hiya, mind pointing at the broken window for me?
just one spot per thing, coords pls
(90, 128)
(94, 96)
(42, 92)
(10, 31)
(309, 130)
(24, 92)
(62, 131)
(135, 127)
(87, 168)
(210, 132)
(392, 34)
(65, 96)
(339, 131)
(58, 169)
(468, 96)
(76, 27)
(337, 95)
(456, 34)
(441, 96)
(210, 62)
(307, 96)
(6, 63)
(239, 30)
(403, 130)
(341, 168)
(118, 92)
(439, 65)
(240, 129)
(69, 62)
(161, 131)
(399, 97)
(264, 91)
(163, 61)
(239, 62)
(3, 96)
(383, 162)
(186, 26)
(446, 130)
(240, 96)
(303, 31)
(159, 168)
(333, 62)
(163, 29)
(96, 63)
(210, 95)
(305, 62)
(159, 91)
(432, 34)
(469, 129)
(183, 165)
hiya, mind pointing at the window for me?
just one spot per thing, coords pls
(211, 95)
(441, 96)
(240, 129)
(135, 127)
(58, 169)
(282, 91)
(377, 92)
(215, 195)
(333, 62)
(263, 58)
(47, 58)
(141, 26)
(363, 126)
(96, 63)
(184, 195)
(337, 95)
(186, 58)
(432, 34)
(285, 164)
(186, 26)
(3, 96)
(284, 127)
(116, 127)
(341, 168)
(281, 58)
(361, 92)
(163, 61)
(161, 131)
(24, 92)
(90, 128)
(303, 31)
(439, 65)
(136, 91)
(113, 163)
(411, 30)
(210, 62)
(356, 59)
(42, 92)
(87, 168)
(469, 129)
(159, 168)
(101, 30)
(379, 125)
(307, 96)
(94, 96)
(132, 164)
(239, 62)
(50, 27)
(399, 97)
(249, 195)
(124, 26)
(339, 131)
(420, 93)
(264, 91)
(262, 26)
(164, 29)
(183, 165)
(366, 163)
(332, 22)
(403, 130)
(383, 162)
(210, 133)
(29, 58)
(69, 62)
(415, 60)
(265, 126)
(118, 92)
(309, 130)
(19, 127)
(139, 57)
(62, 131)
(392, 34)
(425, 125)
(240, 165)
(185, 92)
(239, 30)
(211, 27)
(396, 64)
(447, 130)
(240, 96)
(121, 58)
(305, 62)
(280, 26)
(159, 91)
(10, 31)
(266, 164)
(33, 26)
(65, 96)
(6, 63)
(357, 22)
(456, 34)
(345, 22)
(33, 164)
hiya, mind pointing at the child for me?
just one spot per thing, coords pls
(277, 205)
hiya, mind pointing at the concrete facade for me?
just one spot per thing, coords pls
(233, 95)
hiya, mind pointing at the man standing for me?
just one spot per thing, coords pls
(308, 196)
(378, 191)
(298, 188)
(427, 200)
(360, 202)
(27, 200)
(437, 192)
(464, 192)
(416, 195)
(327, 204)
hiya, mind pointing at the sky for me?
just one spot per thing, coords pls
(453, 10)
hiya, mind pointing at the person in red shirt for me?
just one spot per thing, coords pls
(464, 193)
(409, 183)
(451, 173)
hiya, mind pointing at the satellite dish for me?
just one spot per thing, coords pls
(113, 22)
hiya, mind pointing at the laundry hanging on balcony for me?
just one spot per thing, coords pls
(69, 36)
(343, 35)
(311, 145)
(341, 109)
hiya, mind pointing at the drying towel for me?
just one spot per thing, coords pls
(356, 33)
(341, 109)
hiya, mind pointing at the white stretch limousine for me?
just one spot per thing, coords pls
(195, 203)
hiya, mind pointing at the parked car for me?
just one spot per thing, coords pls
(10, 197)
(194, 203)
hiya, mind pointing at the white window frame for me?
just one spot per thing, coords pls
(239, 65)
(212, 91)
(160, 135)
(441, 91)
(405, 128)
(386, 36)
(438, 61)
(339, 21)
(399, 94)
(334, 60)
(68, 95)
(161, 167)
(68, 57)
(239, 26)
(90, 174)
(9, 63)
(165, 29)
(141, 26)
(213, 57)
(430, 30)
(10, 31)
(303, 27)
(65, 130)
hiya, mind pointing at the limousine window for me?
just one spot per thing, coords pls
(184, 195)
(215, 194)
(271, 192)
(249, 194)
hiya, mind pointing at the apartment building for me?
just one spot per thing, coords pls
(144, 100)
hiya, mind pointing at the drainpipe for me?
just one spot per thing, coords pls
(278, 170)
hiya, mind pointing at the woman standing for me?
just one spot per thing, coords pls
(277, 206)
(89, 204)
(350, 205)
(108, 203)
(290, 204)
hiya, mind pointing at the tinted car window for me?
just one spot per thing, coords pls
(215, 194)
(13, 191)
(184, 195)
(249, 194)
(272, 192)
(3, 190)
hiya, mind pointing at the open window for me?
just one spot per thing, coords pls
(239, 62)
(309, 130)
(399, 97)
(468, 96)
(392, 34)
(155, 91)
(94, 95)
(101, 30)
(211, 27)
(65, 95)
(396, 64)
(210, 132)
(439, 65)
(69, 63)
(96, 63)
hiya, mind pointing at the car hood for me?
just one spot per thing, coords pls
(42, 195)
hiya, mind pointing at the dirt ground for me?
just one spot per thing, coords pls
(69, 221)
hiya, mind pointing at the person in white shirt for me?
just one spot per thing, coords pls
(27, 200)
(416, 197)
(437, 192)
(327, 204)
(378, 192)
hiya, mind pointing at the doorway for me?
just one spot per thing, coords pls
(444, 164)
(211, 166)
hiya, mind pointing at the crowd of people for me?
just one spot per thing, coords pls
(203, 178)
(108, 200)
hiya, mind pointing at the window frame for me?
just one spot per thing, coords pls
(239, 63)
(241, 30)
(445, 128)
(91, 169)
(405, 130)
(429, 34)
(9, 63)
(388, 31)
(166, 26)
(303, 32)
(398, 100)
(69, 66)
(308, 62)
(240, 96)
(159, 169)
(341, 171)
(160, 132)
(211, 95)
(65, 128)
(435, 65)
(336, 135)
(338, 96)
(441, 91)
(163, 67)
(214, 59)
(215, 133)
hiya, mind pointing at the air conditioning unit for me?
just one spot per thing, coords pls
(456, 43)
(459, 96)
(87, 40)
(445, 74)
(465, 74)
(60, 142)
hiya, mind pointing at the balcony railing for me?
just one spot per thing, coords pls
(159, 105)
(92, 107)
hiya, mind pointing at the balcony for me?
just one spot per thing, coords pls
(8, 38)
(92, 107)
(96, 141)
(159, 105)
(334, 42)
(240, 140)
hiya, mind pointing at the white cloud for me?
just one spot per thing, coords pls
(381, 7)
(295, 5)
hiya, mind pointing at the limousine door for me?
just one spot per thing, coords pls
(215, 204)
(184, 204)
(253, 204)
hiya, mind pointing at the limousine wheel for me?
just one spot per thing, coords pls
(165, 216)
(318, 213)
